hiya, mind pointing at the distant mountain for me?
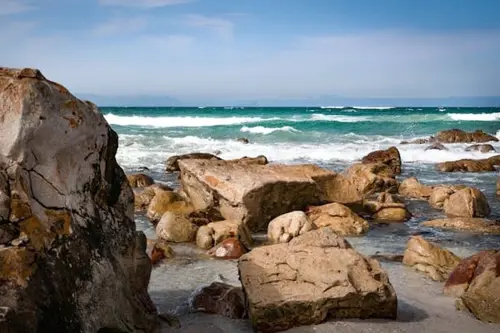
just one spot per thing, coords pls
(121, 101)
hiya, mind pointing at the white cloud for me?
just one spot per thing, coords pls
(121, 26)
(143, 3)
(221, 26)
(8, 7)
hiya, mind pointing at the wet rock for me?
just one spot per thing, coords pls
(389, 157)
(436, 146)
(140, 180)
(459, 136)
(167, 201)
(339, 218)
(387, 208)
(476, 225)
(78, 264)
(315, 277)
(483, 148)
(243, 140)
(221, 299)
(213, 233)
(467, 202)
(429, 258)
(161, 250)
(412, 188)
(172, 163)
(229, 248)
(285, 227)
(175, 227)
(441, 193)
(469, 165)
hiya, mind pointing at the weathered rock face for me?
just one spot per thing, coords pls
(412, 188)
(70, 208)
(315, 277)
(175, 227)
(459, 136)
(436, 146)
(372, 178)
(287, 226)
(339, 218)
(466, 224)
(387, 208)
(476, 280)
(429, 258)
(389, 157)
(220, 298)
(172, 163)
(440, 194)
(468, 165)
(213, 233)
(468, 202)
(252, 193)
(483, 148)
(167, 201)
(140, 180)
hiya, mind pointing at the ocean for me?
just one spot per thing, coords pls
(332, 137)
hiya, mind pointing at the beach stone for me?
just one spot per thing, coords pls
(221, 299)
(469, 165)
(429, 258)
(253, 193)
(389, 157)
(372, 178)
(412, 188)
(339, 218)
(477, 225)
(467, 202)
(175, 227)
(441, 193)
(460, 136)
(172, 163)
(229, 248)
(483, 148)
(213, 233)
(78, 265)
(161, 250)
(387, 208)
(167, 201)
(315, 277)
(436, 146)
(140, 180)
(285, 227)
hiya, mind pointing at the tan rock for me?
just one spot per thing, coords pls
(372, 178)
(387, 208)
(441, 193)
(315, 277)
(429, 258)
(161, 250)
(221, 299)
(167, 201)
(460, 136)
(467, 202)
(140, 180)
(412, 188)
(261, 159)
(389, 157)
(213, 233)
(172, 163)
(466, 224)
(469, 165)
(143, 197)
(229, 248)
(339, 218)
(287, 226)
(175, 227)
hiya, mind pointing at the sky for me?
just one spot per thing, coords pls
(196, 50)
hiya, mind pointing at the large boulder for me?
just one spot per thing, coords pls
(441, 193)
(172, 163)
(389, 157)
(460, 136)
(221, 299)
(215, 232)
(285, 227)
(412, 188)
(469, 165)
(467, 202)
(76, 263)
(167, 201)
(175, 227)
(339, 218)
(315, 277)
(483, 148)
(372, 178)
(429, 258)
(387, 208)
(140, 180)
(476, 225)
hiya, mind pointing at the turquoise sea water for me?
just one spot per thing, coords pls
(333, 137)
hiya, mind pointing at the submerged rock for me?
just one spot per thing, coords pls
(477, 225)
(412, 188)
(315, 277)
(140, 180)
(285, 227)
(221, 299)
(467, 202)
(469, 165)
(436, 146)
(389, 157)
(429, 258)
(483, 148)
(339, 218)
(243, 140)
(172, 163)
(78, 265)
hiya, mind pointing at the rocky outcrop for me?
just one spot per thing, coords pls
(372, 178)
(476, 281)
(429, 258)
(229, 248)
(221, 299)
(476, 225)
(175, 227)
(143, 197)
(140, 180)
(387, 208)
(76, 263)
(469, 165)
(315, 277)
(389, 157)
(213, 233)
(339, 218)
(441, 193)
(167, 201)
(172, 163)
(436, 146)
(285, 227)
(459, 136)
(467, 202)
(483, 148)
(412, 188)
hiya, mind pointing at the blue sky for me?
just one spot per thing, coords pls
(258, 49)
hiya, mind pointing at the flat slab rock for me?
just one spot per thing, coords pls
(316, 277)
(252, 193)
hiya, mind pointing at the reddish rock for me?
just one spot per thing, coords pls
(161, 250)
(389, 157)
(220, 298)
(230, 248)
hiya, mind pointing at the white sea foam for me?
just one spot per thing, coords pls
(332, 107)
(181, 121)
(268, 130)
(337, 118)
(475, 116)
(373, 107)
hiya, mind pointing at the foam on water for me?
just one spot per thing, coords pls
(475, 116)
(268, 130)
(337, 118)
